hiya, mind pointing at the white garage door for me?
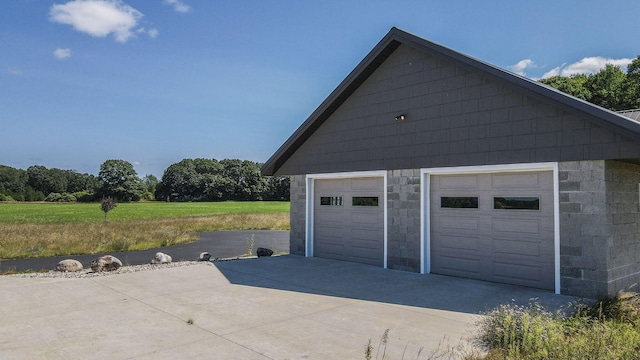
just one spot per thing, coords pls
(496, 227)
(349, 220)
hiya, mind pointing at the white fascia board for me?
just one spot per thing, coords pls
(354, 174)
(491, 168)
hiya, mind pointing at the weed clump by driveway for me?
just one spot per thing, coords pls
(606, 329)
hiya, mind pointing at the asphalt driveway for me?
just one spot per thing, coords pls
(220, 244)
(284, 307)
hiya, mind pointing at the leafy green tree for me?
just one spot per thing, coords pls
(178, 182)
(573, 85)
(610, 88)
(13, 182)
(245, 174)
(278, 189)
(77, 182)
(120, 181)
(631, 87)
(59, 181)
(150, 184)
(211, 180)
(605, 87)
(38, 178)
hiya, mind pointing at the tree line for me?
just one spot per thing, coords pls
(609, 88)
(187, 180)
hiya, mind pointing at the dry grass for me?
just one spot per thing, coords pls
(42, 240)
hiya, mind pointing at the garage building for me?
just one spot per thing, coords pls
(426, 160)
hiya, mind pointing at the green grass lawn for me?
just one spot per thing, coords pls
(54, 229)
(58, 213)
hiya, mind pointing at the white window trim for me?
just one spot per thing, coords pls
(310, 178)
(425, 218)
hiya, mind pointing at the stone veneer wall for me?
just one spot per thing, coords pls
(403, 220)
(599, 224)
(298, 213)
(623, 255)
(583, 228)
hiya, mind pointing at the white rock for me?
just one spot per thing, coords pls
(161, 258)
(204, 256)
(69, 265)
(106, 263)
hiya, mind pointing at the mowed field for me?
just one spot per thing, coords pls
(49, 229)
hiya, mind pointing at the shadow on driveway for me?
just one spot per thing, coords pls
(371, 283)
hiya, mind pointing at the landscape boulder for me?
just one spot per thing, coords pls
(204, 256)
(69, 265)
(161, 258)
(106, 263)
(264, 252)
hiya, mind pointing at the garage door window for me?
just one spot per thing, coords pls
(331, 200)
(467, 202)
(516, 203)
(364, 201)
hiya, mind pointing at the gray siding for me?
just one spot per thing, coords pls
(456, 116)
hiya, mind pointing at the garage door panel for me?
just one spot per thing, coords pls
(457, 266)
(330, 218)
(365, 218)
(364, 234)
(330, 235)
(457, 242)
(364, 257)
(517, 272)
(359, 230)
(510, 180)
(366, 184)
(453, 222)
(333, 250)
(513, 243)
(516, 226)
(517, 247)
(327, 185)
(457, 182)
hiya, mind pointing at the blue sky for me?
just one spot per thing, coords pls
(154, 82)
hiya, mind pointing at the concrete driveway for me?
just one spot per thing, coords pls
(285, 307)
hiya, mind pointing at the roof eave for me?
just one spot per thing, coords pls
(363, 70)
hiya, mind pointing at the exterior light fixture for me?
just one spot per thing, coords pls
(401, 117)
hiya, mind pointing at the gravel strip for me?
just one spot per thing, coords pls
(86, 273)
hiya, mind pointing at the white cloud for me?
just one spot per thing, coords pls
(62, 53)
(98, 18)
(178, 6)
(14, 71)
(152, 33)
(588, 65)
(522, 65)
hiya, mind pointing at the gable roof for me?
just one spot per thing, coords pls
(626, 125)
